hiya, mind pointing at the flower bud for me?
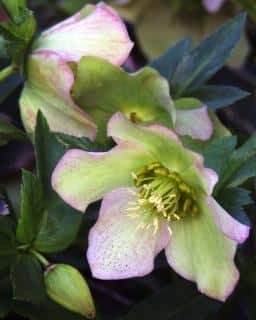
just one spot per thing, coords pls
(66, 286)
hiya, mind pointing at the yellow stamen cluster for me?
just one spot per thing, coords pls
(162, 194)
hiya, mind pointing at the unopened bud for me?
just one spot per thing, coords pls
(66, 286)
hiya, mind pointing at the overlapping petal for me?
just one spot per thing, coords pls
(94, 31)
(102, 89)
(83, 177)
(48, 89)
(118, 249)
(200, 252)
(195, 123)
(165, 147)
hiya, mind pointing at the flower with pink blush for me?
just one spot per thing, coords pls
(94, 31)
(157, 196)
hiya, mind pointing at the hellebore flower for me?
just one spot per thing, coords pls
(94, 31)
(157, 195)
(102, 89)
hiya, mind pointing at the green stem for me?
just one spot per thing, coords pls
(40, 258)
(6, 72)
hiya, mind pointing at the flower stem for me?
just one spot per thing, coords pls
(40, 258)
(6, 72)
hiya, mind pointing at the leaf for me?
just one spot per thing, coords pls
(8, 85)
(175, 302)
(10, 132)
(217, 153)
(18, 36)
(61, 222)
(60, 229)
(48, 152)
(207, 58)
(167, 63)
(27, 280)
(32, 208)
(219, 96)
(15, 9)
(233, 200)
(71, 142)
(240, 165)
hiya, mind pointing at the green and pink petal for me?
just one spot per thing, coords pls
(94, 31)
(118, 248)
(48, 89)
(200, 252)
(81, 177)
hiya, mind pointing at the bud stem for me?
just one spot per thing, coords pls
(40, 258)
(6, 72)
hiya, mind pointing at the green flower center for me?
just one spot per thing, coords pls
(163, 194)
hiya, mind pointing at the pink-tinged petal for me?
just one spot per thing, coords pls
(201, 176)
(230, 227)
(199, 252)
(83, 177)
(161, 142)
(118, 249)
(101, 33)
(166, 148)
(48, 89)
(212, 6)
(195, 123)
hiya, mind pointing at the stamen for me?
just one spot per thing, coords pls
(161, 194)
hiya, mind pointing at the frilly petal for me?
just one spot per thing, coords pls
(165, 147)
(83, 177)
(118, 249)
(199, 252)
(230, 227)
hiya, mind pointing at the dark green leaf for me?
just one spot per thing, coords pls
(205, 60)
(219, 96)
(18, 37)
(217, 153)
(71, 142)
(60, 229)
(48, 310)
(27, 280)
(240, 165)
(233, 200)
(15, 9)
(177, 302)
(247, 170)
(32, 208)
(10, 132)
(48, 152)
(61, 222)
(168, 62)
(8, 85)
